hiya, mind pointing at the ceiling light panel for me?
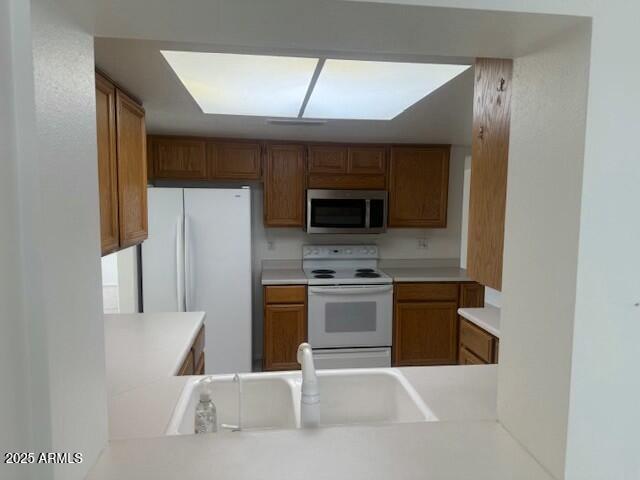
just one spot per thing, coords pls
(364, 90)
(232, 84)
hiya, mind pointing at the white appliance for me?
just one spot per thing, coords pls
(346, 211)
(198, 258)
(350, 306)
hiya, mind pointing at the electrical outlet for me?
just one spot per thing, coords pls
(423, 244)
(271, 245)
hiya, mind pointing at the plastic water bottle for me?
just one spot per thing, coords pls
(206, 419)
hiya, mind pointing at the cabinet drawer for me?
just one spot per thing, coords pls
(187, 367)
(200, 365)
(198, 345)
(426, 292)
(285, 294)
(468, 358)
(476, 341)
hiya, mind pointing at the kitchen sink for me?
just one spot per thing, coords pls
(271, 400)
(369, 396)
(267, 402)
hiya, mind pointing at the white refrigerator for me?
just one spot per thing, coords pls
(198, 258)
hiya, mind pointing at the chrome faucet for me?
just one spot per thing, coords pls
(310, 395)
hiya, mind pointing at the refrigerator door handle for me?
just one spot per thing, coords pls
(180, 263)
(187, 265)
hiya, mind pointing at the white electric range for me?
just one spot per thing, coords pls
(350, 304)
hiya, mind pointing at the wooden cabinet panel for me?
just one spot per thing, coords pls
(425, 333)
(327, 159)
(231, 160)
(132, 170)
(284, 331)
(199, 369)
(471, 295)
(476, 340)
(284, 186)
(428, 292)
(468, 358)
(490, 148)
(107, 164)
(418, 187)
(178, 158)
(348, 182)
(198, 345)
(188, 366)
(367, 160)
(285, 294)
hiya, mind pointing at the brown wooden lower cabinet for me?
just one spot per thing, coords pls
(476, 345)
(285, 325)
(426, 322)
(193, 363)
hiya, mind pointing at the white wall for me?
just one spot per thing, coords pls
(604, 413)
(60, 237)
(541, 235)
(128, 280)
(14, 410)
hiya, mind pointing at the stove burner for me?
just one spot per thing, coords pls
(367, 275)
(323, 275)
(323, 271)
(365, 270)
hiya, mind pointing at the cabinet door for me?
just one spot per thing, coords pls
(471, 295)
(132, 170)
(327, 159)
(284, 331)
(367, 161)
(107, 164)
(234, 161)
(188, 366)
(284, 186)
(418, 187)
(178, 158)
(489, 152)
(425, 333)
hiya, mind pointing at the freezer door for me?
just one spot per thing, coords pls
(352, 358)
(218, 273)
(162, 252)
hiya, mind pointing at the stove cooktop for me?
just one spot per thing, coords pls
(350, 276)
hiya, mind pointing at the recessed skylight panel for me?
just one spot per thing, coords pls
(367, 90)
(231, 84)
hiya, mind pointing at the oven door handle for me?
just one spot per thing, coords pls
(345, 290)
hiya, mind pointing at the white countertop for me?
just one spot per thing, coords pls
(426, 274)
(487, 318)
(468, 442)
(141, 348)
(283, 272)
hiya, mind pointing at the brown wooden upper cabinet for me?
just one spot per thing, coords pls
(197, 158)
(419, 186)
(284, 185)
(177, 158)
(490, 148)
(122, 171)
(347, 166)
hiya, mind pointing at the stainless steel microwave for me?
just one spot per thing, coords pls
(346, 211)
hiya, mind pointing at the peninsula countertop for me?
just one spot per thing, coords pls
(469, 443)
(141, 348)
(487, 318)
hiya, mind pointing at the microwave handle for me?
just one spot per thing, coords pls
(367, 213)
(349, 290)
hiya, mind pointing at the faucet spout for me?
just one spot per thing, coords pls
(310, 394)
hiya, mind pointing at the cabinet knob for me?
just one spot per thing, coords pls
(481, 133)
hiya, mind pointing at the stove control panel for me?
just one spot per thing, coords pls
(341, 252)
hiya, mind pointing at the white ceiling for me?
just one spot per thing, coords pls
(134, 31)
(442, 117)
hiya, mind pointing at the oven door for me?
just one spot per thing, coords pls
(350, 316)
